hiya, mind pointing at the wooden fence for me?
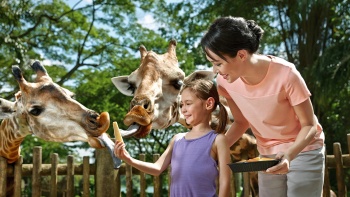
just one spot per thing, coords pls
(108, 180)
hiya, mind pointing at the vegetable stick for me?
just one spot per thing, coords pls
(117, 134)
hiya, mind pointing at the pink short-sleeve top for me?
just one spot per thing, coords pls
(268, 106)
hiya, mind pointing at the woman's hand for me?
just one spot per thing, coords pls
(282, 167)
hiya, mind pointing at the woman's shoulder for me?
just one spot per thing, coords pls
(281, 63)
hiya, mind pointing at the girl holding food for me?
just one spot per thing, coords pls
(197, 157)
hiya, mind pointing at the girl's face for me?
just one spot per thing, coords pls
(231, 69)
(193, 108)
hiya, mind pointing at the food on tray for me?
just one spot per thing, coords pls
(258, 159)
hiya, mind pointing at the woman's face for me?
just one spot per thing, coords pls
(230, 69)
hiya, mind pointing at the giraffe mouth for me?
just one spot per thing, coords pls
(138, 121)
(102, 122)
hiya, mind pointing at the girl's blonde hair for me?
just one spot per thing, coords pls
(203, 89)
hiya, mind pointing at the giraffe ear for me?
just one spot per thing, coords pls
(123, 85)
(199, 74)
(7, 108)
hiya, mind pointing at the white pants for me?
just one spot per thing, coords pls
(304, 179)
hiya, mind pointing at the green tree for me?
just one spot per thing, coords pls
(86, 44)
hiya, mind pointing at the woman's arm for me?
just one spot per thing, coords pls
(224, 170)
(150, 168)
(239, 125)
(308, 122)
(308, 130)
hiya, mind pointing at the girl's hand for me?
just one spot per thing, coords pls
(120, 151)
(282, 167)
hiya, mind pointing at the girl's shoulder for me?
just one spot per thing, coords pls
(178, 136)
(220, 138)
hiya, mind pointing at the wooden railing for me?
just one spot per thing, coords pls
(107, 180)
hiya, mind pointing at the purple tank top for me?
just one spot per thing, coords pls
(193, 170)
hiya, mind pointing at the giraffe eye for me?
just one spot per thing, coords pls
(36, 111)
(177, 84)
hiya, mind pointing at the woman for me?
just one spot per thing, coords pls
(268, 95)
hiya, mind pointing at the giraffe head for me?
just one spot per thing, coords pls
(47, 110)
(155, 87)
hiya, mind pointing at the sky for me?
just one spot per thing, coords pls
(145, 19)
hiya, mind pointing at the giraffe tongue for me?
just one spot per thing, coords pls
(130, 131)
(109, 144)
(136, 130)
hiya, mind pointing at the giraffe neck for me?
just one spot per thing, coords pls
(12, 133)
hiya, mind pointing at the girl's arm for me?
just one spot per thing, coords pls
(308, 130)
(150, 168)
(223, 153)
(239, 126)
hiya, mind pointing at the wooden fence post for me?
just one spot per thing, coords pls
(3, 176)
(54, 175)
(37, 161)
(339, 169)
(70, 176)
(18, 177)
(143, 185)
(86, 176)
(105, 176)
(128, 178)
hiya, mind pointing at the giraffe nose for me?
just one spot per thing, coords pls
(92, 117)
(142, 101)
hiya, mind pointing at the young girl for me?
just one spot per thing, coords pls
(268, 94)
(196, 157)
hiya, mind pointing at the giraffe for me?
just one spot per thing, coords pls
(47, 110)
(155, 87)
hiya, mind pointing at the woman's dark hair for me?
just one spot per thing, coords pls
(203, 89)
(228, 35)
